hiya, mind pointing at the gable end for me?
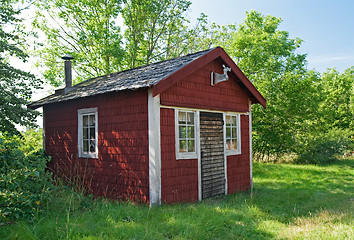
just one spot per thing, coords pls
(216, 53)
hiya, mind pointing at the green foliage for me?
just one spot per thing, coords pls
(324, 146)
(287, 202)
(337, 105)
(268, 58)
(155, 30)
(24, 183)
(88, 30)
(16, 86)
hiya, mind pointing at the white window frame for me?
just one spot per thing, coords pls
(80, 114)
(186, 155)
(238, 134)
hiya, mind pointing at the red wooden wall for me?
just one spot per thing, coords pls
(122, 168)
(179, 178)
(195, 91)
(238, 166)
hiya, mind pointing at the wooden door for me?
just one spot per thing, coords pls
(212, 154)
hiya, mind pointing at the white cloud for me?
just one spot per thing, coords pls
(328, 59)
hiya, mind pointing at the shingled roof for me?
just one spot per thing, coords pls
(159, 76)
(140, 77)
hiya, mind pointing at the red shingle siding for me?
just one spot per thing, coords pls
(179, 178)
(195, 91)
(238, 166)
(122, 168)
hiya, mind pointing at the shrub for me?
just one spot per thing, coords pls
(24, 183)
(323, 147)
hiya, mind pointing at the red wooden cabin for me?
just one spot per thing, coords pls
(161, 133)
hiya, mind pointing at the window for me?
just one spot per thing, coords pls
(185, 134)
(232, 135)
(87, 133)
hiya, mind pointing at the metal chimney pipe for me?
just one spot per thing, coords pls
(68, 74)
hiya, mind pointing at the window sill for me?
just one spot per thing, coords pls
(186, 156)
(232, 152)
(86, 155)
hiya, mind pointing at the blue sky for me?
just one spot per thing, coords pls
(326, 26)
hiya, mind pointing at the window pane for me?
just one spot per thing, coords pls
(92, 120)
(191, 144)
(190, 118)
(228, 144)
(234, 144)
(234, 135)
(234, 121)
(92, 133)
(92, 146)
(183, 146)
(85, 145)
(190, 132)
(182, 117)
(228, 132)
(85, 133)
(85, 120)
(182, 132)
(228, 120)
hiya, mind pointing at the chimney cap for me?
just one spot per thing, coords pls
(67, 57)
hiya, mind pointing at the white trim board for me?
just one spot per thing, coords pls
(225, 155)
(203, 110)
(199, 156)
(154, 149)
(250, 142)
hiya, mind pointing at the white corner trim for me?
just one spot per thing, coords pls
(225, 155)
(197, 126)
(154, 149)
(250, 140)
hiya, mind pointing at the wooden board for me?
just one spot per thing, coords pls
(212, 154)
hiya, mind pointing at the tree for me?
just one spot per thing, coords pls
(16, 85)
(86, 29)
(268, 57)
(337, 106)
(155, 30)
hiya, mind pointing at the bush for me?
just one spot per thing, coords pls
(24, 183)
(323, 147)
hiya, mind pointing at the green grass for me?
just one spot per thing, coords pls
(287, 202)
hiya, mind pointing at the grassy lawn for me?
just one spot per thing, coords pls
(287, 202)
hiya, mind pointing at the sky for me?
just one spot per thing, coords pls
(325, 26)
